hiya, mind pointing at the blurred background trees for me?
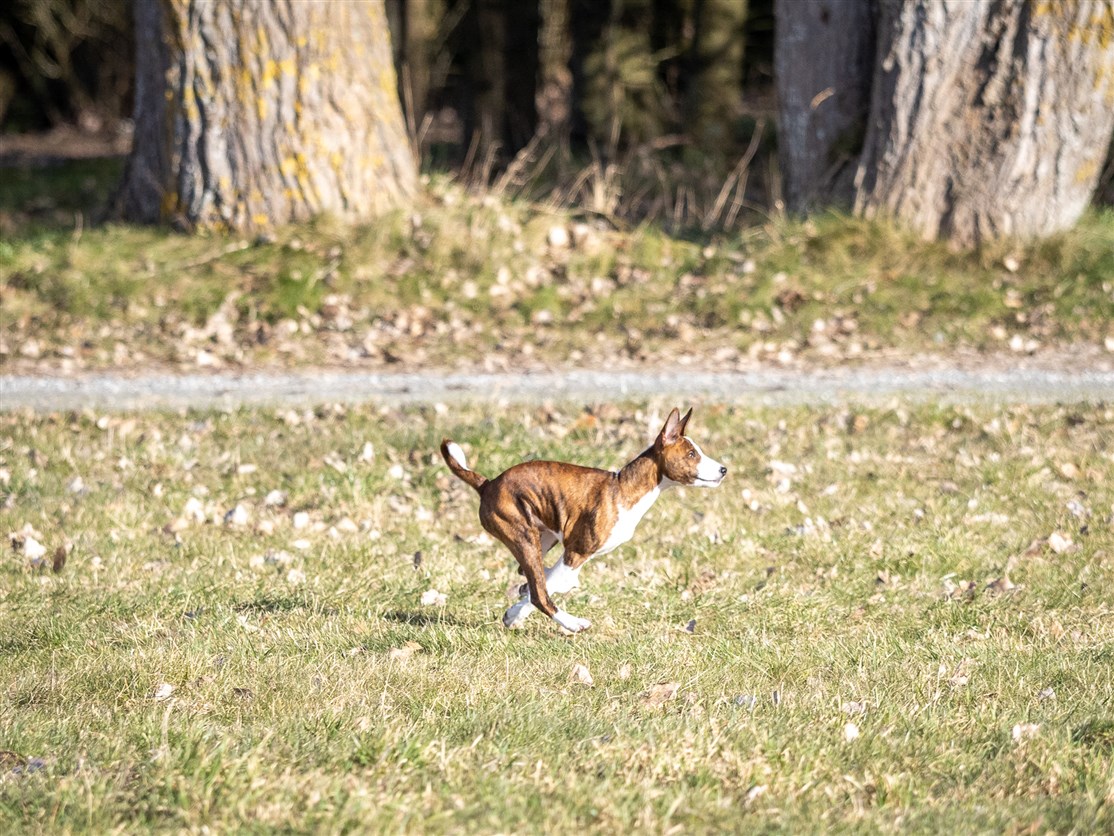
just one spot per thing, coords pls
(992, 119)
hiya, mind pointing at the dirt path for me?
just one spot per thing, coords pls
(763, 386)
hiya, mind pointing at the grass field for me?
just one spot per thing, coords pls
(464, 279)
(888, 618)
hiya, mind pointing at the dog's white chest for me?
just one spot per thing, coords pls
(628, 521)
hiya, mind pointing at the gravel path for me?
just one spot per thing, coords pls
(765, 386)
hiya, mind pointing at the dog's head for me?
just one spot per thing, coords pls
(681, 460)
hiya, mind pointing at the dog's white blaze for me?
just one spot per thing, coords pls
(628, 521)
(458, 455)
(707, 469)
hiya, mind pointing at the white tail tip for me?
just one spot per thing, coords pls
(458, 455)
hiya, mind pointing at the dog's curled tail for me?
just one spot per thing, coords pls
(454, 458)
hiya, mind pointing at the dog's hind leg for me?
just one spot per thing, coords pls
(527, 551)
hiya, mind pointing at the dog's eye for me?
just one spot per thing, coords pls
(692, 454)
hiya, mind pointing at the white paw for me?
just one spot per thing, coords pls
(571, 622)
(516, 614)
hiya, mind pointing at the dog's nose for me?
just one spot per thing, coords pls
(722, 470)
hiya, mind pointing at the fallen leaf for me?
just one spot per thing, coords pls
(401, 654)
(60, 555)
(1059, 543)
(237, 516)
(660, 694)
(624, 671)
(275, 498)
(433, 598)
(33, 549)
(163, 691)
(581, 674)
(1024, 731)
(850, 732)
(1002, 584)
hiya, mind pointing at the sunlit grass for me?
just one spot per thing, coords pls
(462, 276)
(892, 568)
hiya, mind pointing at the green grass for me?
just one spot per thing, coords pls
(462, 276)
(857, 576)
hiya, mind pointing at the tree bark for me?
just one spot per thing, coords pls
(251, 114)
(823, 60)
(989, 118)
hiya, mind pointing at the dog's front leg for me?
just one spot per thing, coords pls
(537, 596)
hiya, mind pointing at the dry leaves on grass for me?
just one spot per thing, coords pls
(433, 598)
(404, 652)
(1024, 731)
(163, 691)
(582, 675)
(660, 694)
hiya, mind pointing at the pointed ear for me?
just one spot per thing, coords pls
(671, 432)
(685, 421)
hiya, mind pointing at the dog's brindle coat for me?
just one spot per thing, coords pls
(534, 505)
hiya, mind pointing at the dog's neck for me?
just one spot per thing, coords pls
(640, 476)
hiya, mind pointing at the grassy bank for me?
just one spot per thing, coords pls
(892, 618)
(465, 279)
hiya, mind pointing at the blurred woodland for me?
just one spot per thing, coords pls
(704, 114)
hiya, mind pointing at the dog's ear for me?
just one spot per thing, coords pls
(671, 432)
(685, 421)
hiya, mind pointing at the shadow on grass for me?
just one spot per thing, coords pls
(277, 604)
(421, 619)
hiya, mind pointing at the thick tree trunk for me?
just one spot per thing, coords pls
(989, 117)
(824, 59)
(251, 114)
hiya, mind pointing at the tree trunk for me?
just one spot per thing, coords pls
(251, 114)
(823, 59)
(989, 117)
